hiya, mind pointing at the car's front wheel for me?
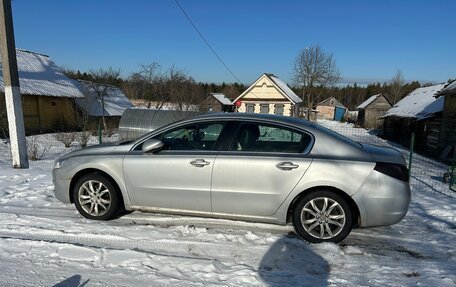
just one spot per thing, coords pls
(322, 216)
(96, 197)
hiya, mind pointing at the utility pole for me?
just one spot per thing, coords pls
(11, 84)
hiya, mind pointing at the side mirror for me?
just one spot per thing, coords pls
(152, 145)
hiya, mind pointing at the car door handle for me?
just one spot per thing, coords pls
(287, 165)
(199, 162)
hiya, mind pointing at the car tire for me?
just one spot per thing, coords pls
(322, 216)
(96, 197)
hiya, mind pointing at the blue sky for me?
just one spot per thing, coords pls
(370, 40)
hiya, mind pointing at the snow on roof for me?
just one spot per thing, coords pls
(368, 102)
(39, 75)
(448, 90)
(115, 102)
(284, 87)
(419, 104)
(333, 99)
(221, 98)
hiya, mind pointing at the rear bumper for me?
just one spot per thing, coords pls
(382, 200)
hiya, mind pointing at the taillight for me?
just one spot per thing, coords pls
(397, 171)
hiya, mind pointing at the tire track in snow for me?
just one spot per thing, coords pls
(161, 220)
(166, 220)
(163, 247)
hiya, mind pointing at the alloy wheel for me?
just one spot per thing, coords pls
(94, 197)
(323, 218)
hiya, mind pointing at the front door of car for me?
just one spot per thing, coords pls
(262, 166)
(179, 176)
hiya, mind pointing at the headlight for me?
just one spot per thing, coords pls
(58, 163)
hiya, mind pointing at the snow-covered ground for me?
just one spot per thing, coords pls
(46, 243)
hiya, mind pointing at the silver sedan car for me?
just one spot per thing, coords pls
(261, 168)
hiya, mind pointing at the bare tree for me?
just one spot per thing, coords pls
(173, 86)
(397, 86)
(313, 67)
(153, 85)
(231, 92)
(149, 84)
(103, 80)
(180, 88)
(35, 149)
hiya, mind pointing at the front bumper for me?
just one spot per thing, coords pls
(61, 185)
(382, 200)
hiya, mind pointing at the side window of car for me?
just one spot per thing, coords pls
(253, 137)
(192, 137)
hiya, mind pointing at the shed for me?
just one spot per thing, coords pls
(48, 95)
(115, 102)
(217, 102)
(418, 112)
(268, 95)
(327, 108)
(447, 138)
(371, 111)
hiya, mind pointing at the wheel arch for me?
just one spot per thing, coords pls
(86, 171)
(352, 204)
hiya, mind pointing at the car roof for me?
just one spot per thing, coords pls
(329, 143)
(251, 116)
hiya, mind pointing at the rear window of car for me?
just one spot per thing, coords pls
(338, 136)
(259, 137)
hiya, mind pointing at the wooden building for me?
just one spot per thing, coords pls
(217, 102)
(419, 112)
(371, 111)
(330, 109)
(47, 94)
(268, 95)
(447, 137)
(112, 108)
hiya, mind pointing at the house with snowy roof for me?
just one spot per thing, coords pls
(103, 101)
(51, 101)
(447, 139)
(419, 112)
(371, 110)
(217, 102)
(47, 94)
(268, 95)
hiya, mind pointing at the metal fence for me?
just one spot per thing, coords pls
(427, 173)
(43, 149)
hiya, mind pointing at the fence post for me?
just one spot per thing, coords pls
(100, 141)
(13, 100)
(412, 144)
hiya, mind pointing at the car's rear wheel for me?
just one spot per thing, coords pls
(96, 197)
(322, 216)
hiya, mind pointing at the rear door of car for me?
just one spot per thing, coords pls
(179, 176)
(253, 176)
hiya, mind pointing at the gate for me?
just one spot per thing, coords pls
(339, 113)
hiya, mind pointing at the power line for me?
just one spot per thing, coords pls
(206, 42)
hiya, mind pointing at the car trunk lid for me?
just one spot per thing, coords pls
(384, 154)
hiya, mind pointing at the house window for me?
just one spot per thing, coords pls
(250, 108)
(264, 108)
(278, 109)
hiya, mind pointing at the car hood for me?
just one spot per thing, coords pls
(92, 150)
(384, 154)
